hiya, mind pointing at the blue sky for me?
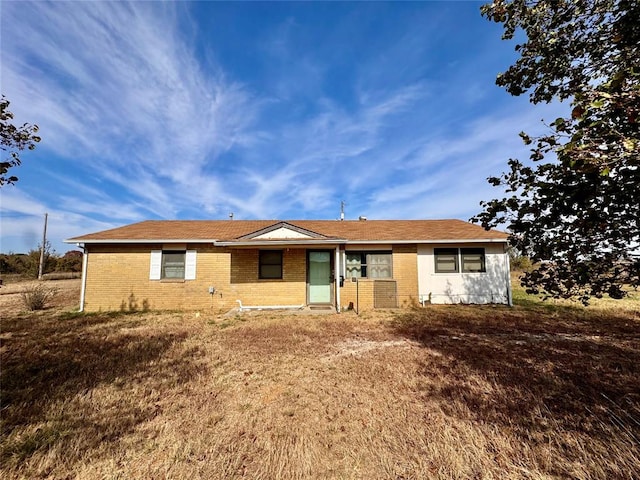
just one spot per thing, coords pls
(267, 110)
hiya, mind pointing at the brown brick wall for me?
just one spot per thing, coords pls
(360, 294)
(405, 272)
(118, 278)
(247, 287)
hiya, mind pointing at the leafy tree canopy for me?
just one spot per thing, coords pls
(27, 264)
(574, 208)
(12, 140)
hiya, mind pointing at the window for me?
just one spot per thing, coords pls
(446, 260)
(173, 265)
(270, 264)
(369, 265)
(473, 260)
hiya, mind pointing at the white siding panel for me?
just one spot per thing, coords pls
(155, 268)
(190, 265)
(485, 287)
(282, 233)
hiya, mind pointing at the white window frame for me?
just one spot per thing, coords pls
(363, 268)
(157, 262)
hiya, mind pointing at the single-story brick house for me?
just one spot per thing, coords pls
(362, 264)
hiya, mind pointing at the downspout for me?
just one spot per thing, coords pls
(336, 269)
(508, 262)
(85, 261)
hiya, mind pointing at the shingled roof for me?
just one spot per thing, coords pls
(348, 230)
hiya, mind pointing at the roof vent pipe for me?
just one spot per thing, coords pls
(362, 218)
(231, 216)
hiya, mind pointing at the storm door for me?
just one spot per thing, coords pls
(319, 278)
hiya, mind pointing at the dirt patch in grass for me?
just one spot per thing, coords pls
(439, 392)
(358, 347)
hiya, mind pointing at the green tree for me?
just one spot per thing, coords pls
(12, 140)
(33, 260)
(70, 262)
(574, 207)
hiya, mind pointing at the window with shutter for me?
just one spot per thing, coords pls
(173, 265)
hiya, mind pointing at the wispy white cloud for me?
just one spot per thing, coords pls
(446, 177)
(22, 221)
(322, 154)
(116, 85)
(139, 122)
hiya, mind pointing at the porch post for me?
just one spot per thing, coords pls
(336, 269)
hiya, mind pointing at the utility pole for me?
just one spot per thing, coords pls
(44, 242)
(342, 210)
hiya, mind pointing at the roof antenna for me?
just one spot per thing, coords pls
(342, 204)
(231, 216)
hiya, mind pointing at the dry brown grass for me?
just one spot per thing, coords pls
(441, 392)
(11, 302)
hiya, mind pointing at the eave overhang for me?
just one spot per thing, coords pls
(459, 240)
(121, 241)
(279, 243)
(291, 242)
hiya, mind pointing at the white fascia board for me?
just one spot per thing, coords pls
(138, 240)
(475, 240)
(283, 242)
(396, 242)
(279, 243)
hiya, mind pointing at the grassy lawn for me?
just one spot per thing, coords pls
(534, 391)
